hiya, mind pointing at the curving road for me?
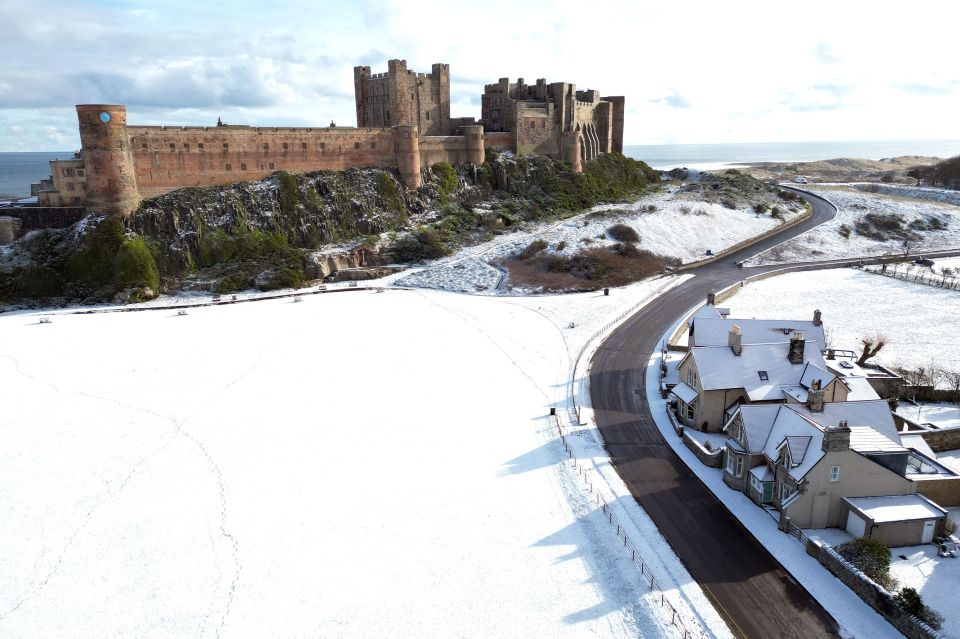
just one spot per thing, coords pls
(755, 595)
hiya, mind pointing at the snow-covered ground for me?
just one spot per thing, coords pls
(917, 192)
(825, 242)
(679, 228)
(935, 578)
(856, 618)
(335, 467)
(941, 415)
(919, 322)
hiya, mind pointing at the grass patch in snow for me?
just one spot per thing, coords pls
(588, 269)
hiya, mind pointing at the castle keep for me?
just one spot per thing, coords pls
(403, 123)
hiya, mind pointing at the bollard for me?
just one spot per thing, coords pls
(553, 410)
(606, 291)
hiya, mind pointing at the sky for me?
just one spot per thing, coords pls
(692, 72)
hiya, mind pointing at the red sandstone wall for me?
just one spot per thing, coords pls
(537, 134)
(501, 141)
(250, 153)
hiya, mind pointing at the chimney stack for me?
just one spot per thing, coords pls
(816, 318)
(795, 354)
(711, 299)
(836, 438)
(815, 397)
(735, 340)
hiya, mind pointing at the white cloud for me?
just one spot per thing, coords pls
(700, 72)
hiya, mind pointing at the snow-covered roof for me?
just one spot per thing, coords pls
(685, 392)
(762, 473)
(711, 330)
(757, 421)
(872, 428)
(760, 369)
(894, 508)
(802, 439)
(859, 389)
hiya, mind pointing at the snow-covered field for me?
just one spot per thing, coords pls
(919, 322)
(943, 415)
(935, 578)
(917, 192)
(356, 464)
(679, 228)
(825, 242)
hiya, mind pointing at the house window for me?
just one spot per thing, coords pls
(79, 172)
(71, 186)
(835, 473)
(690, 412)
(785, 491)
(734, 465)
(763, 376)
(229, 167)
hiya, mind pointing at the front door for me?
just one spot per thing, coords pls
(928, 527)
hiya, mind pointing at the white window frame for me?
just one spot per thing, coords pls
(691, 412)
(835, 473)
(734, 464)
(784, 491)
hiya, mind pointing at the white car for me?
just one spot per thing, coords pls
(800, 179)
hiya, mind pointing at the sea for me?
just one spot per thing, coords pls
(19, 170)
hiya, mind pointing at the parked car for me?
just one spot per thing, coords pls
(923, 261)
(800, 179)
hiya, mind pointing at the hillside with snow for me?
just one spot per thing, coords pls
(870, 224)
(151, 490)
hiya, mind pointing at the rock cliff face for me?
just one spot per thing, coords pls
(285, 229)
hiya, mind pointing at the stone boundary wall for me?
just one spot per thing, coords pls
(941, 440)
(44, 217)
(710, 459)
(872, 593)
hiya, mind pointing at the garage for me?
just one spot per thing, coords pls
(894, 520)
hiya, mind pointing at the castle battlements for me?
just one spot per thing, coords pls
(403, 123)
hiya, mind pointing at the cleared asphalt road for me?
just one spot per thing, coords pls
(756, 596)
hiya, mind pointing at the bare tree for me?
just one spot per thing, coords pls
(871, 346)
(951, 379)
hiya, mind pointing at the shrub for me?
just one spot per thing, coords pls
(134, 265)
(685, 210)
(589, 269)
(448, 180)
(532, 249)
(288, 192)
(623, 233)
(910, 601)
(730, 204)
(789, 196)
(761, 207)
(562, 244)
(844, 230)
(870, 556)
(421, 244)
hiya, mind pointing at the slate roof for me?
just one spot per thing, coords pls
(872, 428)
(712, 330)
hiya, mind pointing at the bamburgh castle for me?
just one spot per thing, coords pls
(403, 123)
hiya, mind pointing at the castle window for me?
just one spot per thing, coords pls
(79, 172)
(229, 167)
(285, 146)
(71, 186)
(271, 166)
(243, 167)
(143, 147)
(303, 146)
(266, 147)
(200, 147)
(373, 145)
(186, 147)
(226, 147)
(323, 146)
(532, 124)
(356, 145)
(426, 114)
(173, 147)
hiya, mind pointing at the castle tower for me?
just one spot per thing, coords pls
(111, 180)
(360, 78)
(617, 124)
(476, 152)
(408, 154)
(571, 150)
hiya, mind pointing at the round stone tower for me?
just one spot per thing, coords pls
(475, 148)
(111, 180)
(571, 149)
(408, 154)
